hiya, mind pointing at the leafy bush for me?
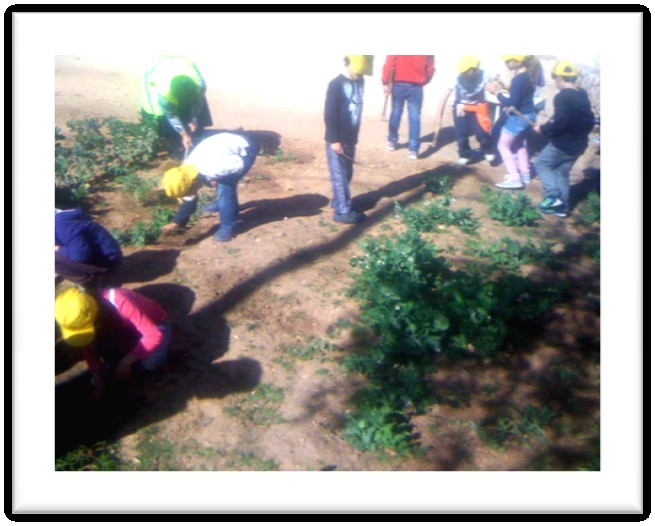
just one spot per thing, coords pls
(439, 184)
(101, 147)
(590, 210)
(99, 457)
(145, 233)
(436, 213)
(510, 253)
(511, 209)
(141, 188)
(531, 422)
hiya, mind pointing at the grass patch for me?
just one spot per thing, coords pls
(259, 407)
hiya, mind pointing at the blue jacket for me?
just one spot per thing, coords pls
(83, 240)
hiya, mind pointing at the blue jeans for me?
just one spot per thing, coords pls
(227, 198)
(341, 173)
(413, 94)
(553, 167)
(157, 357)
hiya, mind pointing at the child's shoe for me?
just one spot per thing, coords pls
(463, 161)
(225, 233)
(391, 146)
(350, 218)
(553, 206)
(413, 155)
(510, 184)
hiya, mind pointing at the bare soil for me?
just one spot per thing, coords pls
(281, 281)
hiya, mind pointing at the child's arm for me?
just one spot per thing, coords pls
(184, 213)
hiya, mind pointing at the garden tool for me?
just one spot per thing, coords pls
(513, 110)
(386, 97)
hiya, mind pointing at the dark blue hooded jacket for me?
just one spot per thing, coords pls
(83, 240)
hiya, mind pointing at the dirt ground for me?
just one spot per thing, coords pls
(281, 282)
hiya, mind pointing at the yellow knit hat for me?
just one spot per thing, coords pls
(361, 64)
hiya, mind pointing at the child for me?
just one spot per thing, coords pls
(404, 76)
(85, 252)
(219, 161)
(568, 131)
(343, 116)
(116, 330)
(513, 135)
(470, 110)
(173, 92)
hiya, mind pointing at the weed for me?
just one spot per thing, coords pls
(439, 184)
(313, 349)
(258, 407)
(511, 209)
(280, 156)
(435, 214)
(509, 253)
(155, 453)
(591, 248)
(286, 364)
(322, 372)
(143, 233)
(99, 457)
(531, 422)
(330, 226)
(589, 210)
(141, 188)
(240, 459)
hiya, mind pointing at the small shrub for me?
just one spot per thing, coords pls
(141, 188)
(437, 213)
(509, 253)
(314, 349)
(142, 233)
(439, 184)
(511, 209)
(589, 210)
(531, 422)
(99, 457)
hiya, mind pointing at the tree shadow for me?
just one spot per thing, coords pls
(257, 213)
(145, 265)
(590, 183)
(197, 341)
(445, 136)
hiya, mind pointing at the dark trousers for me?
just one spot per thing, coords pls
(466, 126)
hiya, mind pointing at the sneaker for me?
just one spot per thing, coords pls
(463, 161)
(225, 233)
(350, 218)
(391, 146)
(413, 155)
(525, 179)
(510, 184)
(551, 203)
(490, 157)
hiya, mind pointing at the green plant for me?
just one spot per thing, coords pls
(531, 422)
(589, 210)
(156, 453)
(312, 349)
(591, 247)
(241, 460)
(437, 213)
(439, 184)
(280, 156)
(142, 233)
(511, 209)
(258, 407)
(510, 253)
(99, 457)
(376, 425)
(141, 188)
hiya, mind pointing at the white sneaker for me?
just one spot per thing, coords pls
(489, 157)
(511, 184)
(413, 155)
(462, 161)
(525, 179)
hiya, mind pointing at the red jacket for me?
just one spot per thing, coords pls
(417, 69)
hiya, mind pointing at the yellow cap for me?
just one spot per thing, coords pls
(467, 62)
(564, 68)
(178, 181)
(361, 64)
(75, 312)
(518, 58)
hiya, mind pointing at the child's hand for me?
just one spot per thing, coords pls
(170, 227)
(337, 148)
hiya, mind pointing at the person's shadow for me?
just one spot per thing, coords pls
(197, 341)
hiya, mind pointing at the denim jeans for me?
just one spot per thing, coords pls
(227, 198)
(553, 167)
(413, 95)
(341, 173)
(157, 357)
(466, 125)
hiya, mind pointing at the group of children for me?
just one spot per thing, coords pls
(119, 329)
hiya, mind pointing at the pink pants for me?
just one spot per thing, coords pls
(507, 146)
